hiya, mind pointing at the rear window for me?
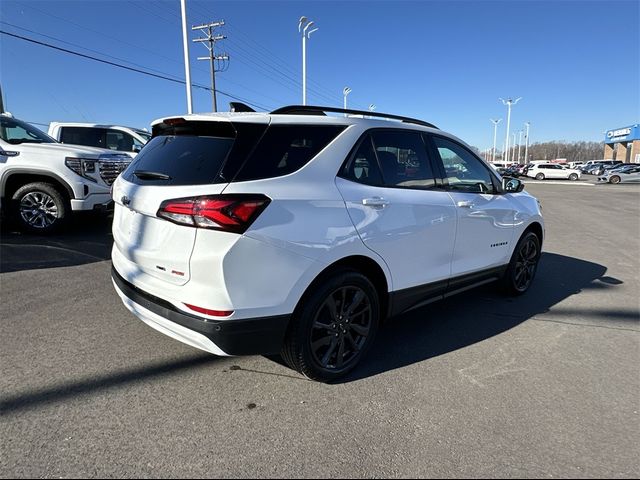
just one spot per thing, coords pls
(91, 137)
(199, 153)
(194, 153)
(285, 149)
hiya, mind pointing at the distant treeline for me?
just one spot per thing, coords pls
(572, 151)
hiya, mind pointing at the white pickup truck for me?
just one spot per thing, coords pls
(112, 137)
(42, 181)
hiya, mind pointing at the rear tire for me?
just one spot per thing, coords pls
(333, 327)
(523, 265)
(615, 179)
(39, 208)
(540, 176)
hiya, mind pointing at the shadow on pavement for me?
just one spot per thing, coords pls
(73, 389)
(86, 239)
(472, 317)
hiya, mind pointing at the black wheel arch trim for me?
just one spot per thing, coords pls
(43, 174)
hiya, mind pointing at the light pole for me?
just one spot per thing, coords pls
(346, 91)
(303, 27)
(495, 133)
(185, 44)
(519, 143)
(513, 147)
(508, 102)
(526, 148)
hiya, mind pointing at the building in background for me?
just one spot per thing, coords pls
(623, 144)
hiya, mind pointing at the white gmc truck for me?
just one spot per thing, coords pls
(42, 181)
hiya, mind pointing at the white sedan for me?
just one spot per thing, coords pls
(541, 171)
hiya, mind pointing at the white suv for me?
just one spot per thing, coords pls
(298, 232)
(541, 171)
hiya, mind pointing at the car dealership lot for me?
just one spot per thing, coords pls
(477, 385)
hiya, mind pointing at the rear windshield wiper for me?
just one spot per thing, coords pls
(145, 175)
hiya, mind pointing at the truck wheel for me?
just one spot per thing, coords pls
(39, 208)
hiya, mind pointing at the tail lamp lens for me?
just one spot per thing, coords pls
(231, 213)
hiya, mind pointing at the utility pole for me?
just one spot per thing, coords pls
(209, 41)
(185, 44)
(1, 101)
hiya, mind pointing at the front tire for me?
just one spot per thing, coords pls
(615, 179)
(333, 327)
(573, 177)
(39, 208)
(540, 176)
(523, 265)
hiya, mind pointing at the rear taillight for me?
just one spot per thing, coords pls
(231, 213)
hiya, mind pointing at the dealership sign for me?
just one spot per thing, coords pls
(623, 134)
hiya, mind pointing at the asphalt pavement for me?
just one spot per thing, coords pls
(479, 385)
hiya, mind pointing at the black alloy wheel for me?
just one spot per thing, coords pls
(333, 327)
(341, 327)
(523, 266)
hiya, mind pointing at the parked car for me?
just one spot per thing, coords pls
(112, 137)
(627, 174)
(604, 166)
(42, 181)
(304, 231)
(542, 171)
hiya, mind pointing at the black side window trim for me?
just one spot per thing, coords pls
(497, 190)
(368, 134)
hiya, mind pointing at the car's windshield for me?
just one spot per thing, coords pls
(15, 131)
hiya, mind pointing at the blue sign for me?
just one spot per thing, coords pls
(626, 134)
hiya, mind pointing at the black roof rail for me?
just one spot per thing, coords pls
(317, 110)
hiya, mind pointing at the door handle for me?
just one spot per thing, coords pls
(377, 202)
(465, 204)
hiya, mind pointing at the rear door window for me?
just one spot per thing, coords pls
(403, 159)
(285, 149)
(363, 166)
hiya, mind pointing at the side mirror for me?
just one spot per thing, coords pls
(512, 185)
(136, 148)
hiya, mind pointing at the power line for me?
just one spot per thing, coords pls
(125, 67)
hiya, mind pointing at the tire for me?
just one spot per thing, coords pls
(540, 176)
(39, 208)
(615, 179)
(524, 261)
(573, 177)
(322, 342)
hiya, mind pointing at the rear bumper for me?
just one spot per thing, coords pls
(254, 336)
